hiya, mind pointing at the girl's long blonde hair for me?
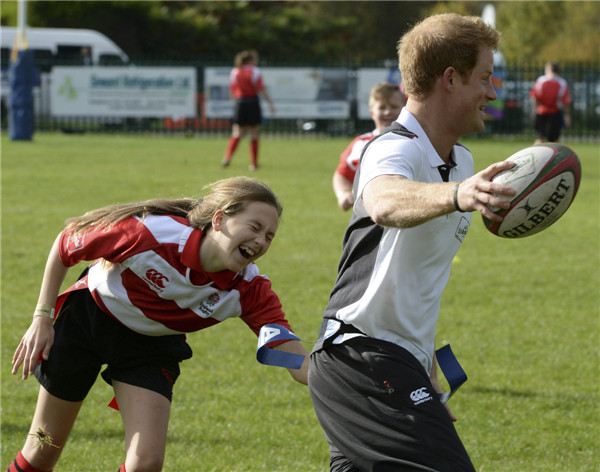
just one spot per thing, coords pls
(228, 195)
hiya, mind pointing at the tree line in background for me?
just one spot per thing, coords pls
(314, 32)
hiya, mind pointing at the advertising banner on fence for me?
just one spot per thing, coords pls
(298, 92)
(143, 92)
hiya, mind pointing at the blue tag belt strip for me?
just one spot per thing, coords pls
(265, 355)
(451, 368)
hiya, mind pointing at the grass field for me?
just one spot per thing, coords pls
(521, 315)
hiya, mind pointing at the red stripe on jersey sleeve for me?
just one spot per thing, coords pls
(115, 243)
(261, 305)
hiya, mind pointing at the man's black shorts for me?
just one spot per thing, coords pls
(247, 112)
(380, 412)
(86, 338)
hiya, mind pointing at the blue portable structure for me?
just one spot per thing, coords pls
(21, 78)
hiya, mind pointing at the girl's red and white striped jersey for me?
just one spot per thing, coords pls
(245, 81)
(551, 94)
(150, 278)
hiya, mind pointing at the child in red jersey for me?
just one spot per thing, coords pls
(385, 103)
(552, 99)
(163, 268)
(245, 86)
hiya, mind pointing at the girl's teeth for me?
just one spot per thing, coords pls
(248, 251)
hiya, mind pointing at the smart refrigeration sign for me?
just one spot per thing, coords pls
(123, 92)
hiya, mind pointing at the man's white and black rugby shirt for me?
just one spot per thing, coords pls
(390, 280)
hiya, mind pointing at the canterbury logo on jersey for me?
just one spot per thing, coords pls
(156, 279)
(75, 242)
(420, 395)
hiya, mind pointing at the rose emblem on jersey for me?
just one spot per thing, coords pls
(208, 304)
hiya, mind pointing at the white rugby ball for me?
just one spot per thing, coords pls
(545, 178)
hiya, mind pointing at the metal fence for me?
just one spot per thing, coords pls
(519, 111)
(514, 84)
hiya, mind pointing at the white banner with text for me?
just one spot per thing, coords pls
(297, 92)
(141, 92)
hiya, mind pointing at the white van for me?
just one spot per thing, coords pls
(55, 46)
(64, 46)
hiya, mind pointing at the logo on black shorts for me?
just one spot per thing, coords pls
(168, 376)
(420, 395)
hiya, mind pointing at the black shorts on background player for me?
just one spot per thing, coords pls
(549, 126)
(247, 112)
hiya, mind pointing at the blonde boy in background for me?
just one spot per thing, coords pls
(385, 103)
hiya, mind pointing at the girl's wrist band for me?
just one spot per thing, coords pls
(45, 311)
(456, 198)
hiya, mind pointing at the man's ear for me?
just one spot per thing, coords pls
(217, 220)
(449, 77)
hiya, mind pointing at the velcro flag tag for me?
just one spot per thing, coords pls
(452, 370)
(268, 356)
(113, 404)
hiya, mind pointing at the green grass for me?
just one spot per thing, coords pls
(522, 315)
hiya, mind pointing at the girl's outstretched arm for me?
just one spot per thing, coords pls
(296, 347)
(40, 336)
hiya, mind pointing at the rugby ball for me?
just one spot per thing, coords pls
(546, 179)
